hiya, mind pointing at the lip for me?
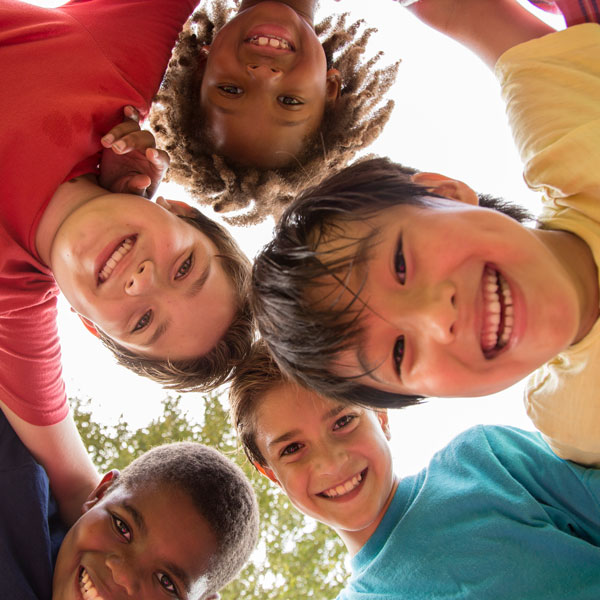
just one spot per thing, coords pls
(107, 252)
(350, 495)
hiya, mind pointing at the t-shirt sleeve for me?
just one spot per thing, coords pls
(137, 36)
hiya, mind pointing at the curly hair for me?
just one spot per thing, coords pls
(203, 373)
(218, 489)
(305, 322)
(356, 120)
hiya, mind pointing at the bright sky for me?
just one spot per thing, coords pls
(448, 118)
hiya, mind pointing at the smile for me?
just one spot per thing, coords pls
(115, 258)
(272, 41)
(498, 312)
(87, 587)
(344, 488)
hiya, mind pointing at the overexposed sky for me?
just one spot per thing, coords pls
(448, 118)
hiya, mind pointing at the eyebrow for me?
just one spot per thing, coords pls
(160, 330)
(195, 288)
(140, 523)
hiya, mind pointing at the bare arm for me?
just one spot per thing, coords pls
(487, 27)
(59, 449)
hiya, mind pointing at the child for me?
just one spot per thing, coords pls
(180, 520)
(267, 104)
(135, 269)
(443, 297)
(495, 514)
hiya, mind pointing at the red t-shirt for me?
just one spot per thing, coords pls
(67, 73)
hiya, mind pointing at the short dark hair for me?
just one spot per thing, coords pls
(218, 489)
(203, 373)
(307, 335)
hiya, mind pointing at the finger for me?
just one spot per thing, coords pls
(137, 140)
(132, 113)
(159, 158)
(119, 131)
(137, 184)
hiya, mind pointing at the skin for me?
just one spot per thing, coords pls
(327, 447)
(167, 557)
(436, 304)
(261, 103)
(157, 284)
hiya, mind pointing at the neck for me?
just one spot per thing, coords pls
(305, 8)
(68, 197)
(355, 540)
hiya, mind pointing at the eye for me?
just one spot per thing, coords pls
(231, 90)
(343, 421)
(185, 267)
(166, 582)
(289, 100)
(400, 263)
(399, 354)
(143, 322)
(121, 527)
(291, 449)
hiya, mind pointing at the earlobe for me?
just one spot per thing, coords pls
(382, 416)
(266, 472)
(334, 85)
(101, 489)
(177, 207)
(447, 187)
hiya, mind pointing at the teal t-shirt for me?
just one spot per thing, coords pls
(495, 515)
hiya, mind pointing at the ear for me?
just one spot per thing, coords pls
(87, 323)
(177, 207)
(100, 490)
(266, 472)
(447, 187)
(382, 417)
(333, 88)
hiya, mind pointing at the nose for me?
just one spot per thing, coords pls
(431, 310)
(263, 72)
(122, 574)
(329, 458)
(141, 281)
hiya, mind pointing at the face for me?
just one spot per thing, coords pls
(334, 463)
(147, 544)
(147, 278)
(265, 86)
(460, 301)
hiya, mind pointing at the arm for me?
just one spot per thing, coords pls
(487, 27)
(59, 449)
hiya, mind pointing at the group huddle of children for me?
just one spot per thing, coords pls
(382, 285)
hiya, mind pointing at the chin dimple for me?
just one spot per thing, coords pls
(498, 313)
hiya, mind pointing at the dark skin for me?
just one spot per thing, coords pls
(265, 83)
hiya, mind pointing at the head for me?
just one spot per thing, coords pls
(163, 285)
(180, 521)
(384, 285)
(334, 463)
(257, 104)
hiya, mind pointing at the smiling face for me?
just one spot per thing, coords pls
(147, 278)
(334, 464)
(460, 301)
(265, 86)
(149, 543)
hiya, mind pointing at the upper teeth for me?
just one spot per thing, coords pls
(343, 488)
(115, 258)
(271, 40)
(88, 589)
(498, 313)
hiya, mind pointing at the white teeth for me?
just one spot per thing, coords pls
(343, 488)
(272, 41)
(115, 258)
(498, 319)
(88, 589)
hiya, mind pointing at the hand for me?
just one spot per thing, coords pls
(130, 162)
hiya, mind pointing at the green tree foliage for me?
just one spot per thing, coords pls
(295, 557)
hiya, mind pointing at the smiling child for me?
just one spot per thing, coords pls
(441, 293)
(257, 105)
(495, 514)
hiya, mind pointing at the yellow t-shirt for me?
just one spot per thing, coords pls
(551, 86)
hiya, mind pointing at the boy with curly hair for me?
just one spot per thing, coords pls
(495, 514)
(258, 104)
(180, 520)
(384, 285)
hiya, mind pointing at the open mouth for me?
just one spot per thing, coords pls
(87, 587)
(344, 488)
(115, 258)
(272, 41)
(498, 312)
